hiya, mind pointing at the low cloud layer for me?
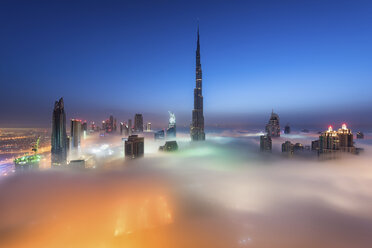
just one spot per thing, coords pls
(221, 193)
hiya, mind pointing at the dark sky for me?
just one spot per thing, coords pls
(310, 61)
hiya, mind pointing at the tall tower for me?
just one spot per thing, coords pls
(197, 125)
(59, 137)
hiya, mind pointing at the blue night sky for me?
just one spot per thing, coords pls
(310, 61)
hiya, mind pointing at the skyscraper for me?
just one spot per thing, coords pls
(197, 125)
(265, 143)
(171, 131)
(134, 147)
(75, 133)
(287, 129)
(341, 140)
(129, 127)
(273, 127)
(59, 137)
(138, 123)
(148, 127)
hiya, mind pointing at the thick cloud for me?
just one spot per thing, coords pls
(221, 193)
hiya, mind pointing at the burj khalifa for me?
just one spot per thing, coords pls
(197, 125)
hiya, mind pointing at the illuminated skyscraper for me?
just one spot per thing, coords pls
(138, 123)
(59, 136)
(197, 125)
(171, 131)
(273, 127)
(341, 140)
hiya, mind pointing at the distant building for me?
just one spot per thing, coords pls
(114, 127)
(287, 147)
(124, 130)
(121, 128)
(103, 126)
(265, 143)
(59, 136)
(360, 135)
(110, 126)
(315, 145)
(148, 127)
(75, 133)
(171, 131)
(130, 128)
(159, 135)
(287, 129)
(290, 148)
(273, 127)
(134, 147)
(333, 141)
(92, 127)
(138, 123)
(170, 146)
(298, 147)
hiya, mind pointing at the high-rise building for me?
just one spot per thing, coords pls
(148, 127)
(273, 127)
(75, 133)
(130, 127)
(265, 143)
(315, 145)
(341, 140)
(197, 125)
(171, 131)
(138, 123)
(287, 147)
(92, 127)
(121, 128)
(114, 127)
(287, 129)
(346, 138)
(134, 147)
(104, 125)
(59, 136)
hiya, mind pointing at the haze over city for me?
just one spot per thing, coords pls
(185, 124)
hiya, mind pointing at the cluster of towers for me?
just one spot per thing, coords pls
(61, 142)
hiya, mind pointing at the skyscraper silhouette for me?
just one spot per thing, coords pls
(59, 137)
(197, 125)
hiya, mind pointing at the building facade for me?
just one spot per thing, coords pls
(171, 131)
(134, 147)
(287, 129)
(59, 136)
(138, 123)
(332, 141)
(75, 133)
(265, 143)
(273, 126)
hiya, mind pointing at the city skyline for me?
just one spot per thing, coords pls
(261, 53)
(185, 124)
